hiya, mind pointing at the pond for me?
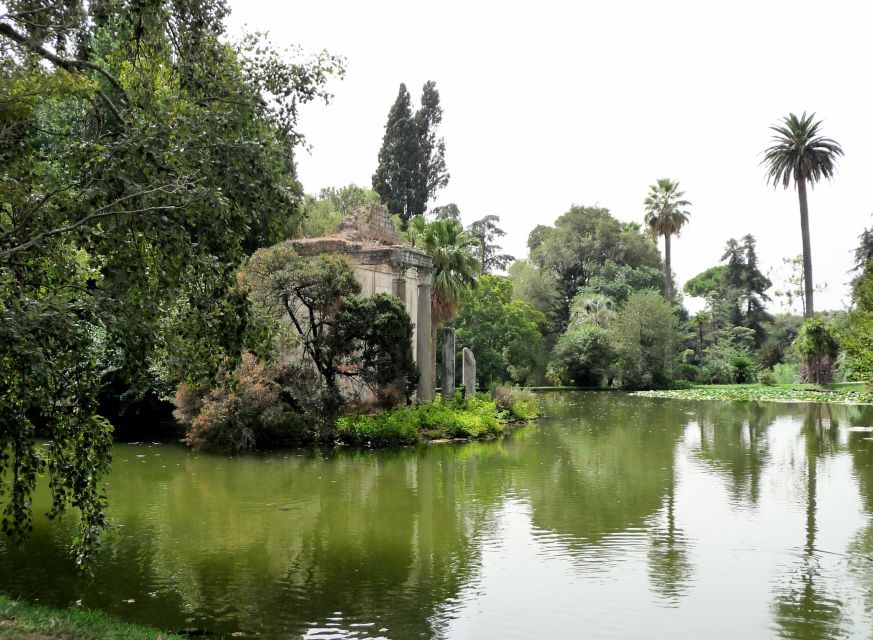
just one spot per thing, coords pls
(614, 517)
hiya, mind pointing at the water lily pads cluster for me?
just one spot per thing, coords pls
(763, 394)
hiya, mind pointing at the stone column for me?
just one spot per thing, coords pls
(469, 373)
(424, 353)
(398, 284)
(448, 369)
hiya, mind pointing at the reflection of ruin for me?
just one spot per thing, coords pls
(385, 263)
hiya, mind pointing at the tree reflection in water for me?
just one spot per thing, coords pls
(803, 608)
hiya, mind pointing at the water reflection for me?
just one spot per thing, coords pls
(804, 609)
(664, 518)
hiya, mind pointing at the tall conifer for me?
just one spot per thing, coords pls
(397, 178)
(434, 175)
(412, 164)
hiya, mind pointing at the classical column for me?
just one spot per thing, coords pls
(448, 369)
(398, 284)
(422, 333)
(469, 373)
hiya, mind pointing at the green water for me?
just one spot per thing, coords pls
(615, 517)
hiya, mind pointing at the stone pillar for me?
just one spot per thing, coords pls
(424, 353)
(469, 373)
(398, 284)
(448, 369)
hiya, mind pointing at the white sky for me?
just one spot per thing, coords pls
(548, 104)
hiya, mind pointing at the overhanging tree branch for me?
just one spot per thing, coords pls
(72, 65)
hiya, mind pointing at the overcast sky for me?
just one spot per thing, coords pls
(549, 104)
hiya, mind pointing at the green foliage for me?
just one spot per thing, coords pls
(519, 404)
(577, 248)
(584, 354)
(343, 336)
(412, 165)
(454, 264)
(818, 347)
(476, 417)
(322, 215)
(485, 231)
(644, 336)
(140, 166)
(728, 360)
(502, 332)
(706, 284)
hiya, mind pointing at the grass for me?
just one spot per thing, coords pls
(476, 418)
(844, 393)
(19, 621)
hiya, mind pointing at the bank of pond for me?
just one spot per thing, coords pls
(668, 519)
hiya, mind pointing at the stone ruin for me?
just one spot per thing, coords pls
(385, 263)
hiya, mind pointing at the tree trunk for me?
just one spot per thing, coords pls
(808, 308)
(668, 270)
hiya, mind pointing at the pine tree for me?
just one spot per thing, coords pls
(434, 175)
(398, 177)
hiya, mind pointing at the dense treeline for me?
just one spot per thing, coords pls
(144, 156)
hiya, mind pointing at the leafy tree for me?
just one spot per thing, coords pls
(584, 353)
(580, 245)
(618, 281)
(735, 291)
(447, 211)
(857, 340)
(143, 157)
(644, 336)
(863, 256)
(801, 154)
(708, 283)
(434, 175)
(341, 335)
(485, 231)
(666, 214)
(398, 176)
(502, 332)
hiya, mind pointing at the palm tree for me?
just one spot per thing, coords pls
(798, 152)
(665, 216)
(454, 266)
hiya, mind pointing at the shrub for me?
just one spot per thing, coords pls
(247, 409)
(519, 404)
(396, 427)
(786, 373)
(584, 353)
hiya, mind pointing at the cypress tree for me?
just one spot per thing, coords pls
(412, 160)
(397, 179)
(434, 175)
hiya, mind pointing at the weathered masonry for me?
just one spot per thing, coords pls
(385, 263)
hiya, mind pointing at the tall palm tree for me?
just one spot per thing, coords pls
(666, 214)
(799, 153)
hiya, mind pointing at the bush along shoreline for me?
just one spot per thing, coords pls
(481, 417)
